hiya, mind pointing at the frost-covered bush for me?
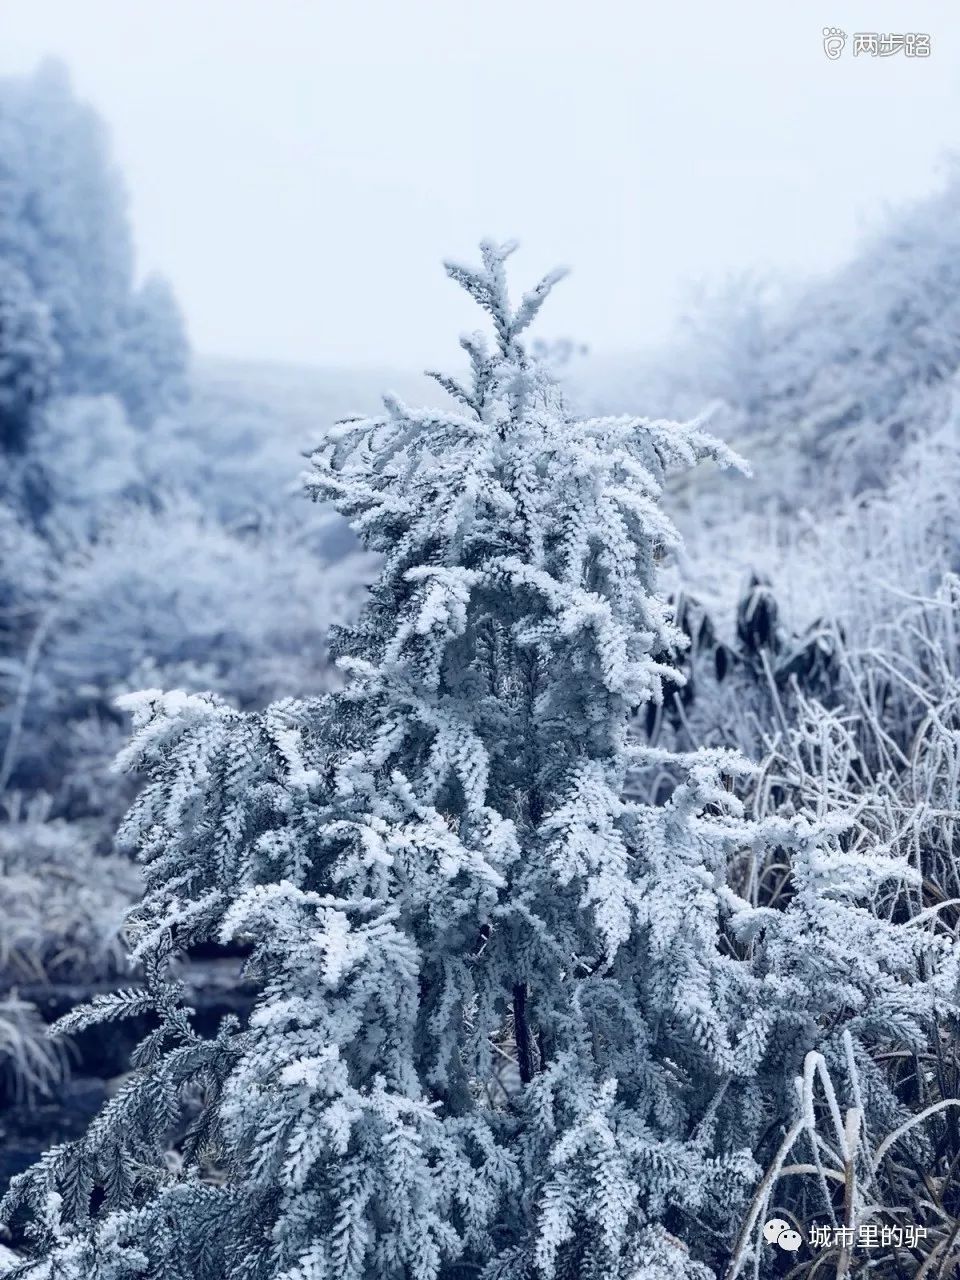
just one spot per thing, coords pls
(154, 356)
(841, 590)
(868, 588)
(31, 1065)
(164, 595)
(28, 357)
(88, 452)
(26, 570)
(228, 454)
(859, 359)
(62, 909)
(824, 384)
(440, 871)
(238, 446)
(63, 905)
(902, 788)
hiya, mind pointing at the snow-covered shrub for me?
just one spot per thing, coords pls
(88, 452)
(28, 357)
(62, 911)
(26, 571)
(902, 789)
(856, 1205)
(63, 905)
(227, 454)
(154, 354)
(237, 447)
(843, 586)
(168, 596)
(824, 384)
(869, 588)
(31, 1065)
(859, 359)
(439, 869)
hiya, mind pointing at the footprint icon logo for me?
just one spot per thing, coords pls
(833, 42)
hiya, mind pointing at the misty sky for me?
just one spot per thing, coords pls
(298, 168)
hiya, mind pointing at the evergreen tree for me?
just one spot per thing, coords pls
(63, 218)
(513, 1022)
(64, 228)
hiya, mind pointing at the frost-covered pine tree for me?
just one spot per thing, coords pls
(513, 1024)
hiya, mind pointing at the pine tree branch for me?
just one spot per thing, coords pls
(521, 1033)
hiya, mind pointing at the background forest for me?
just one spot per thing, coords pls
(152, 535)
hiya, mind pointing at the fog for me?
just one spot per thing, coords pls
(297, 170)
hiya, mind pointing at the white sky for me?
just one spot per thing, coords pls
(298, 168)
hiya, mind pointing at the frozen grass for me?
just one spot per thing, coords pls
(62, 905)
(31, 1064)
